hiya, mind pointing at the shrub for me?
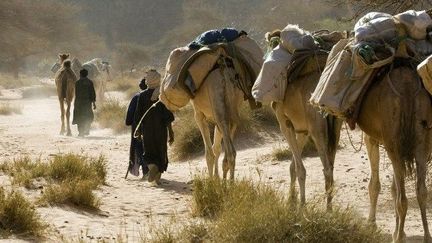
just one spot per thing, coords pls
(112, 115)
(7, 109)
(77, 193)
(284, 153)
(248, 212)
(17, 215)
(188, 139)
(208, 195)
(72, 178)
(127, 85)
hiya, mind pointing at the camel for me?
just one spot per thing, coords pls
(397, 112)
(217, 101)
(99, 73)
(65, 82)
(298, 121)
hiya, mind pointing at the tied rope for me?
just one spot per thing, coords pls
(142, 118)
(351, 141)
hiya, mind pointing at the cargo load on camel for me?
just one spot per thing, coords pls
(188, 67)
(354, 64)
(292, 53)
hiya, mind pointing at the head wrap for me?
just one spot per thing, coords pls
(83, 72)
(153, 79)
(142, 84)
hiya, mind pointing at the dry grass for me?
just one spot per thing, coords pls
(71, 178)
(7, 109)
(127, 85)
(193, 232)
(18, 216)
(242, 211)
(284, 153)
(188, 140)
(112, 115)
(9, 82)
(39, 91)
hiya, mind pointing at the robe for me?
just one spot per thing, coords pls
(154, 130)
(136, 148)
(84, 97)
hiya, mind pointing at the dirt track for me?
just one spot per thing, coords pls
(130, 207)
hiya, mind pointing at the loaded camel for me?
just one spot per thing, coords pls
(228, 72)
(65, 82)
(299, 121)
(218, 101)
(397, 112)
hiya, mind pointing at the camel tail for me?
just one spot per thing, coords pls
(332, 134)
(407, 133)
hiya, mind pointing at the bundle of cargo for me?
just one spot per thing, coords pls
(353, 64)
(293, 52)
(188, 67)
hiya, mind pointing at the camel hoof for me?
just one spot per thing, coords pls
(69, 134)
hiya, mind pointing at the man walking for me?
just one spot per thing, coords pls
(136, 151)
(85, 96)
(155, 128)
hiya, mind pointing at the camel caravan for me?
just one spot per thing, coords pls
(378, 76)
(66, 73)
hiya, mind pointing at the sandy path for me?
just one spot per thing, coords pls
(130, 207)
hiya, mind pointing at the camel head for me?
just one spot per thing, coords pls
(63, 57)
(273, 38)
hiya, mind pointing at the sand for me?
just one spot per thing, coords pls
(131, 208)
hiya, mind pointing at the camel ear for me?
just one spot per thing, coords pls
(274, 33)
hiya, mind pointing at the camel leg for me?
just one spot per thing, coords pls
(321, 142)
(374, 183)
(69, 133)
(288, 131)
(400, 199)
(230, 153)
(217, 148)
(394, 195)
(205, 133)
(301, 141)
(421, 190)
(232, 162)
(62, 117)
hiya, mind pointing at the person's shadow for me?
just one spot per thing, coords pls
(176, 186)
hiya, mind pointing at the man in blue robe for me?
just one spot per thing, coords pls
(136, 151)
